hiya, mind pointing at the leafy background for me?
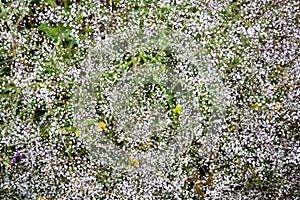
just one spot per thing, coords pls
(253, 44)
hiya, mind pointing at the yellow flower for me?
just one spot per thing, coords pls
(102, 125)
(281, 69)
(70, 169)
(163, 68)
(278, 86)
(286, 78)
(41, 198)
(256, 106)
(75, 180)
(270, 117)
(232, 128)
(76, 132)
(134, 161)
(177, 109)
(277, 106)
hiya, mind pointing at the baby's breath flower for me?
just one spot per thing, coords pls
(253, 44)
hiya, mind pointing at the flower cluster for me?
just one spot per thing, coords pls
(254, 45)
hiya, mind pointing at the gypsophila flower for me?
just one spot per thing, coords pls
(254, 153)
